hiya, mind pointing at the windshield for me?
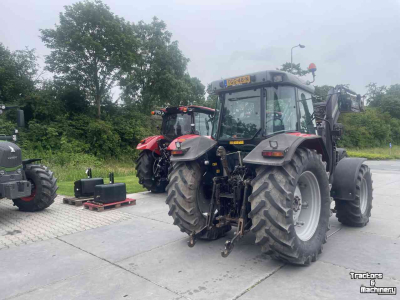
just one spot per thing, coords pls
(240, 112)
(241, 115)
(176, 125)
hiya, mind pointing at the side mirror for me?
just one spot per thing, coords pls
(20, 118)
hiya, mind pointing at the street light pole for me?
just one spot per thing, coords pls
(291, 54)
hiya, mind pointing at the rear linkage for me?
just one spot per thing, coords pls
(212, 230)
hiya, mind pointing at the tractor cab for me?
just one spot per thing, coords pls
(185, 120)
(253, 107)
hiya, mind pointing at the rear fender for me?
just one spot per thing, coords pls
(150, 143)
(172, 145)
(344, 178)
(287, 143)
(194, 148)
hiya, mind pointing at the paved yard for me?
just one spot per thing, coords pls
(135, 252)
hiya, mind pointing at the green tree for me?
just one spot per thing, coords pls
(18, 74)
(375, 94)
(90, 47)
(293, 69)
(159, 77)
(321, 92)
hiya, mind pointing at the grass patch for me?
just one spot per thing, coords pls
(132, 185)
(376, 153)
(68, 168)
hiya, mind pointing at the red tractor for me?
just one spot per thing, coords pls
(181, 122)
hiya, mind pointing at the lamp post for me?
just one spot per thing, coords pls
(291, 54)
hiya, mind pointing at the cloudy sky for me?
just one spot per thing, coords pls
(350, 41)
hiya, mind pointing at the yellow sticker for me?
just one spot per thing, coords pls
(214, 164)
(238, 80)
(218, 171)
(236, 142)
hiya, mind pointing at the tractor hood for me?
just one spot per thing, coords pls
(10, 156)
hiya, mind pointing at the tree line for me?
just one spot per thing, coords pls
(105, 74)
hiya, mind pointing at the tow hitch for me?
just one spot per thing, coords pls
(242, 225)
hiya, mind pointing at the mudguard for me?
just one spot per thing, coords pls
(344, 178)
(172, 145)
(195, 148)
(287, 143)
(150, 143)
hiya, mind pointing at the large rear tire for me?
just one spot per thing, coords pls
(184, 191)
(144, 171)
(44, 189)
(285, 197)
(356, 213)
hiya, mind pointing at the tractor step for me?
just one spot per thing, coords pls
(92, 205)
(76, 201)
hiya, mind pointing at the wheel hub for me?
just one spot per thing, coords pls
(306, 206)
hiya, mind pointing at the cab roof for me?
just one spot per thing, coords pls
(269, 77)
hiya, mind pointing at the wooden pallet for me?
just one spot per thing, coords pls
(76, 201)
(92, 205)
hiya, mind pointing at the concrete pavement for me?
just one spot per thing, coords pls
(137, 253)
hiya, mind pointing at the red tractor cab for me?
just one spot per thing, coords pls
(184, 122)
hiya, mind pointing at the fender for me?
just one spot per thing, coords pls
(150, 143)
(344, 178)
(172, 145)
(194, 148)
(287, 143)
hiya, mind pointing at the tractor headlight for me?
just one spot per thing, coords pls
(1, 173)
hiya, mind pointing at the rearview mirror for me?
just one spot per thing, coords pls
(20, 118)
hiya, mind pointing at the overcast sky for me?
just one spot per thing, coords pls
(350, 41)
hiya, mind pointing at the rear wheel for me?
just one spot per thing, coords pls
(44, 189)
(144, 171)
(356, 213)
(185, 194)
(290, 208)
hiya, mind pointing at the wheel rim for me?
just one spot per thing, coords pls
(363, 196)
(306, 206)
(33, 193)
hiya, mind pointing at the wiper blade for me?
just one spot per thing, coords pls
(242, 98)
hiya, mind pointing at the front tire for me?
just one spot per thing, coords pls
(356, 213)
(290, 208)
(44, 189)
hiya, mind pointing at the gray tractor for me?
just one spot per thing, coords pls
(272, 167)
(32, 187)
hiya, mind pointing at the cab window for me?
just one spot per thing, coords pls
(203, 123)
(307, 124)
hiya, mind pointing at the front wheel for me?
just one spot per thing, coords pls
(290, 208)
(356, 213)
(44, 189)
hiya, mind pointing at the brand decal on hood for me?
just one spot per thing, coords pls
(12, 149)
